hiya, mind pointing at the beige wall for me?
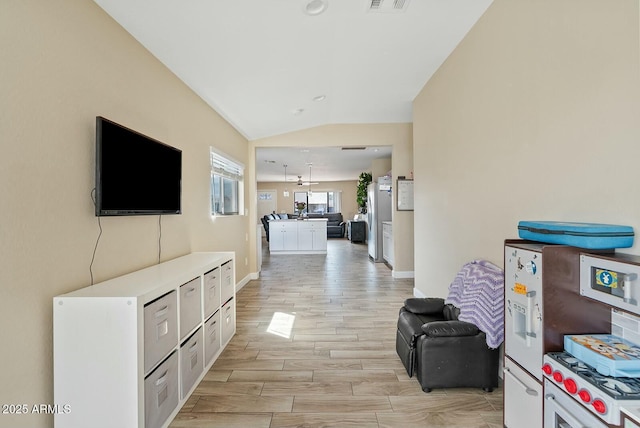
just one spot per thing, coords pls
(62, 63)
(403, 221)
(535, 116)
(349, 206)
(399, 136)
(380, 168)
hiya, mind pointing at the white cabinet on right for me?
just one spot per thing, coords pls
(312, 235)
(387, 242)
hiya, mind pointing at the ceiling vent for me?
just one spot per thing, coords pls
(354, 148)
(387, 6)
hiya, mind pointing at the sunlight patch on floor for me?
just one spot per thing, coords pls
(281, 324)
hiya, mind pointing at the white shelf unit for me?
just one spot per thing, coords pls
(129, 351)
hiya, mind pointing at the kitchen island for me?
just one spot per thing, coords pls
(294, 236)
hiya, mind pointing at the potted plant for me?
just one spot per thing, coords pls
(300, 207)
(361, 194)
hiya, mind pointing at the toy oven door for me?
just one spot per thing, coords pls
(561, 411)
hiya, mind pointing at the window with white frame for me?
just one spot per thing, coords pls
(227, 185)
(318, 202)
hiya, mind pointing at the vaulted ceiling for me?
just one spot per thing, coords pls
(271, 66)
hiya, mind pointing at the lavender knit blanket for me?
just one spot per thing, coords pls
(478, 291)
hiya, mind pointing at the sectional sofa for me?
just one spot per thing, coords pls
(335, 223)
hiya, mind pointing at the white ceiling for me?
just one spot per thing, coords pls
(328, 163)
(260, 63)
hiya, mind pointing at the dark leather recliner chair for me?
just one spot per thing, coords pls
(265, 224)
(443, 351)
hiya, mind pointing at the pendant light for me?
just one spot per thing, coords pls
(286, 192)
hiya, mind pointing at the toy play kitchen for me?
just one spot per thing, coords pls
(572, 336)
(599, 372)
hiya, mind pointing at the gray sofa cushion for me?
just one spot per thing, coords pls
(333, 219)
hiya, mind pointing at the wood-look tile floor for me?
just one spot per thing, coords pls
(315, 347)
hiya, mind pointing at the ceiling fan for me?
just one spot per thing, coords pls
(304, 183)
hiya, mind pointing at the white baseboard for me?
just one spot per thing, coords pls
(418, 293)
(244, 281)
(403, 274)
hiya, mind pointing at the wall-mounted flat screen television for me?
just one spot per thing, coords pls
(135, 174)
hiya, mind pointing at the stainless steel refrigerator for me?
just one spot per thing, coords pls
(378, 210)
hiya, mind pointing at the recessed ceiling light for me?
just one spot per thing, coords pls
(315, 7)
(320, 98)
(297, 111)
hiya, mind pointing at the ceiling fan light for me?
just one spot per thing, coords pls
(315, 7)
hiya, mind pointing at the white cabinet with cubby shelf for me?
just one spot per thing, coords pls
(129, 351)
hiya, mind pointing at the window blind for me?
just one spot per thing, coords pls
(225, 167)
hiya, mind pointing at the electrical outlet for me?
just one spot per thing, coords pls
(246, 261)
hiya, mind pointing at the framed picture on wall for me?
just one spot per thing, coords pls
(405, 195)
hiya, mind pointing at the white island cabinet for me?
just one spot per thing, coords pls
(292, 236)
(312, 235)
(129, 351)
(283, 235)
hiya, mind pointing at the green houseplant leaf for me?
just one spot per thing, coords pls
(361, 194)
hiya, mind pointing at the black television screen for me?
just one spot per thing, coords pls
(135, 174)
